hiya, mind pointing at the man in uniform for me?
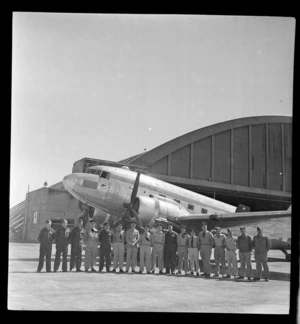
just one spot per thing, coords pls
(193, 247)
(104, 238)
(230, 244)
(145, 249)
(62, 241)
(206, 243)
(244, 244)
(261, 244)
(219, 253)
(158, 241)
(76, 238)
(46, 238)
(119, 247)
(170, 249)
(91, 245)
(132, 238)
(182, 243)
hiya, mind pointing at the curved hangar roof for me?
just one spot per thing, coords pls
(246, 157)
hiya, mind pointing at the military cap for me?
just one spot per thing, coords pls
(242, 228)
(217, 228)
(229, 230)
(92, 220)
(203, 223)
(259, 228)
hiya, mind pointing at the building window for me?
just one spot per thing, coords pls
(35, 217)
(190, 206)
(203, 211)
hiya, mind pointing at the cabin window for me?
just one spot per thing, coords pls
(177, 200)
(94, 171)
(89, 184)
(190, 206)
(203, 211)
(162, 195)
(105, 175)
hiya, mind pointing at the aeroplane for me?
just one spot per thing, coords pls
(119, 194)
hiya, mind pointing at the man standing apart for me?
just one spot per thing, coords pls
(46, 238)
(244, 244)
(194, 245)
(170, 249)
(62, 238)
(182, 242)
(230, 244)
(261, 244)
(119, 247)
(91, 245)
(76, 238)
(132, 238)
(145, 249)
(104, 238)
(158, 241)
(219, 253)
(206, 243)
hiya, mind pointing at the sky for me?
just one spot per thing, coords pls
(110, 86)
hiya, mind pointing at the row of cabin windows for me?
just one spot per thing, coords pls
(99, 172)
(190, 206)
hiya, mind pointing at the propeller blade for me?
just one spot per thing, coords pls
(137, 218)
(135, 188)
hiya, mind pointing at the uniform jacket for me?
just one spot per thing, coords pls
(208, 239)
(196, 243)
(261, 244)
(132, 236)
(170, 240)
(91, 235)
(219, 241)
(62, 236)
(105, 236)
(46, 236)
(244, 243)
(182, 239)
(145, 239)
(119, 236)
(77, 235)
(158, 237)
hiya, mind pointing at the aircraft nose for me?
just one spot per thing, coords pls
(69, 182)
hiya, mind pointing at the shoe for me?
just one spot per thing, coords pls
(86, 270)
(172, 273)
(197, 274)
(207, 276)
(187, 274)
(121, 271)
(78, 270)
(108, 270)
(127, 271)
(224, 276)
(228, 277)
(48, 271)
(148, 272)
(266, 279)
(94, 270)
(160, 272)
(256, 279)
(133, 271)
(216, 276)
(203, 274)
(153, 271)
(240, 277)
(71, 269)
(114, 270)
(98, 270)
(65, 270)
(249, 279)
(38, 270)
(192, 273)
(140, 272)
(179, 272)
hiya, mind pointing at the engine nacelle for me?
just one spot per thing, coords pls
(149, 209)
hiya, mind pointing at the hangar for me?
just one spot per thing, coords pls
(242, 161)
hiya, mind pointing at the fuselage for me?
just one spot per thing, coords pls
(108, 188)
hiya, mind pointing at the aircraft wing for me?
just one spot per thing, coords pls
(227, 220)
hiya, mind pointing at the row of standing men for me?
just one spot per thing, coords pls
(157, 246)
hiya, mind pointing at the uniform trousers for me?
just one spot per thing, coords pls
(261, 260)
(45, 250)
(119, 249)
(183, 257)
(105, 249)
(219, 255)
(245, 259)
(90, 254)
(194, 259)
(76, 255)
(131, 260)
(61, 250)
(158, 250)
(205, 253)
(145, 257)
(232, 262)
(170, 258)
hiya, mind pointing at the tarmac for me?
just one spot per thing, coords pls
(131, 292)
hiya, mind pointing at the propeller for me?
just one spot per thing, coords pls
(130, 205)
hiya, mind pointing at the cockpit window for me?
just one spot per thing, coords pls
(105, 175)
(94, 171)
